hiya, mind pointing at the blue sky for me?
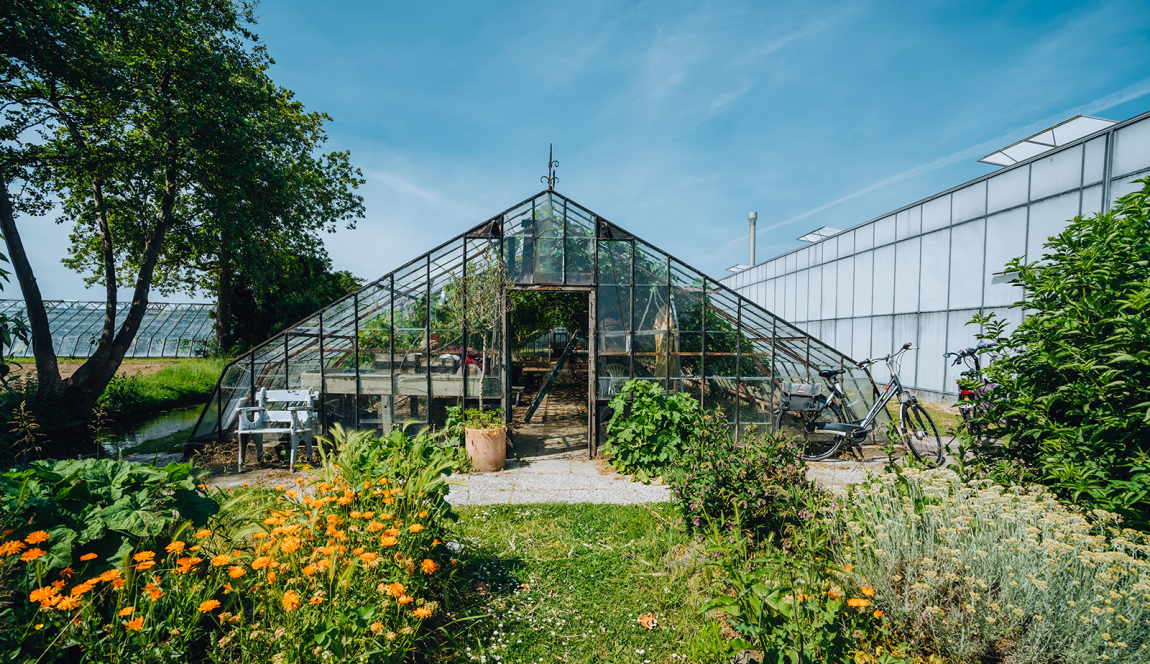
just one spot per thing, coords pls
(674, 119)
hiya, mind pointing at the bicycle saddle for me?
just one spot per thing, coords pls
(831, 373)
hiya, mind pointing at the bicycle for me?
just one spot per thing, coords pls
(822, 426)
(972, 403)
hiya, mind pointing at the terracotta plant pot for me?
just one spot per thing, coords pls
(487, 449)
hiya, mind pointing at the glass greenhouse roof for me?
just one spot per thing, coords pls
(167, 330)
(390, 353)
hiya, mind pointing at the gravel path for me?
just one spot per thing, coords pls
(549, 462)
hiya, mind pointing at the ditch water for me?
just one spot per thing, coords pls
(123, 436)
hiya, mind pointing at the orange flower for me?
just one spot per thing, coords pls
(88, 556)
(127, 611)
(833, 594)
(143, 555)
(185, 565)
(310, 569)
(135, 624)
(396, 589)
(868, 591)
(37, 537)
(82, 588)
(355, 513)
(290, 601)
(221, 560)
(42, 594)
(208, 606)
(376, 627)
(290, 544)
(261, 562)
(68, 603)
(155, 594)
(195, 548)
(405, 600)
(422, 613)
(878, 614)
(374, 527)
(848, 568)
(357, 550)
(388, 540)
(428, 566)
(11, 548)
(857, 603)
(415, 527)
(368, 557)
(235, 571)
(117, 583)
(32, 554)
(147, 564)
(271, 577)
(174, 547)
(435, 542)
(203, 533)
(227, 587)
(317, 600)
(109, 575)
(391, 532)
(385, 517)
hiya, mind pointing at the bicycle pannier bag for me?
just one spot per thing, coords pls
(801, 396)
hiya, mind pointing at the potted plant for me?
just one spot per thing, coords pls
(485, 434)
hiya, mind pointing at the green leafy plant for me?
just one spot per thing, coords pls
(1073, 395)
(473, 418)
(759, 481)
(649, 430)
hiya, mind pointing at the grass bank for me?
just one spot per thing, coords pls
(579, 584)
(184, 382)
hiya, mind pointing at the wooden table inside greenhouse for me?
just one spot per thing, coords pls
(403, 384)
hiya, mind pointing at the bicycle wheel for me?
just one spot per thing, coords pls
(813, 445)
(920, 434)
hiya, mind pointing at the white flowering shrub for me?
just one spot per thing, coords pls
(974, 570)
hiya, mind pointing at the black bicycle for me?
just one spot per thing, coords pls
(972, 402)
(821, 424)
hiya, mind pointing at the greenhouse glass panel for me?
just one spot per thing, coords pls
(430, 335)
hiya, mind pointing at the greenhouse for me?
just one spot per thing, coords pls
(168, 329)
(434, 333)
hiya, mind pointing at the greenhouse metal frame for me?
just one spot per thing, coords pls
(396, 352)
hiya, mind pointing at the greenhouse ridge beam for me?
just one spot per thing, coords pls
(394, 350)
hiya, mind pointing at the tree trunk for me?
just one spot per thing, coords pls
(224, 296)
(47, 372)
(108, 255)
(82, 394)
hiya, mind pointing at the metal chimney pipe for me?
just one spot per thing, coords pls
(753, 217)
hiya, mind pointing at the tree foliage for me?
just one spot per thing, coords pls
(1073, 395)
(175, 158)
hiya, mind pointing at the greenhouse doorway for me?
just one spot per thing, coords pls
(550, 392)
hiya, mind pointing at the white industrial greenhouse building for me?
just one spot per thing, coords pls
(920, 272)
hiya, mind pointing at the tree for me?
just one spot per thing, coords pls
(1073, 394)
(172, 152)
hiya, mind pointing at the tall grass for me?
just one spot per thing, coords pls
(187, 381)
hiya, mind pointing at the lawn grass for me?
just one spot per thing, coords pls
(568, 583)
(946, 419)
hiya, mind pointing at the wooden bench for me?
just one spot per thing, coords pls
(296, 416)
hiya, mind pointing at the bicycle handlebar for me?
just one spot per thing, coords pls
(969, 352)
(886, 358)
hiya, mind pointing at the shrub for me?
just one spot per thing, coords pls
(1073, 399)
(761, 477)
(980, 572)
(649, 430)
(324, 571)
